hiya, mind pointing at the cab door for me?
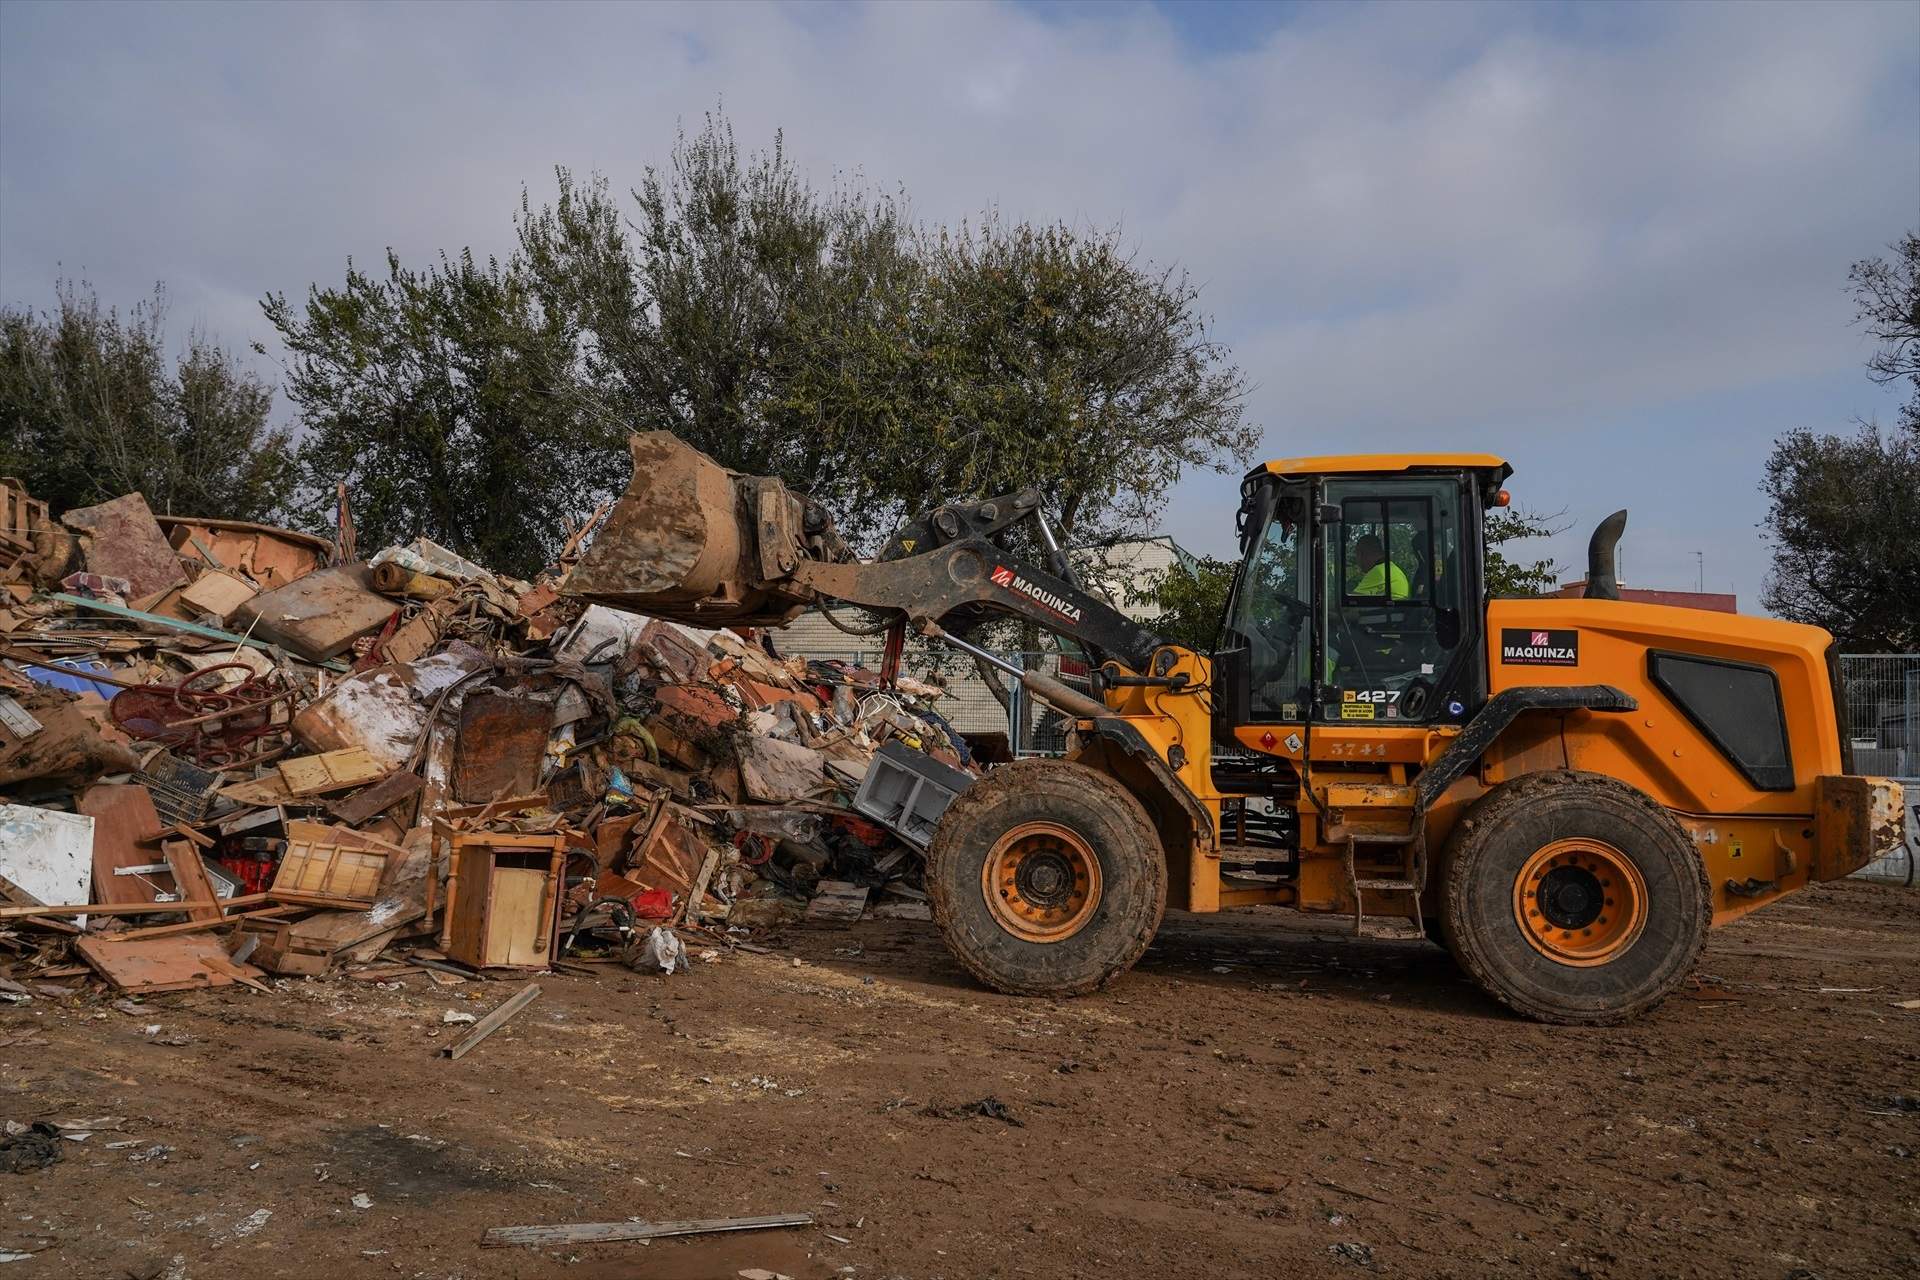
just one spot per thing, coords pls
(1398, 612)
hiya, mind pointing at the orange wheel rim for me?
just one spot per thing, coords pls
(1580, 902)
(1041, 881)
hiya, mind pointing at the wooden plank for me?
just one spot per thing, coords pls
(191, 875)
(263, 793)
(607, 1232)
(197, 926)
(837, 900)
(694, 906)
(497, 808)
(376, 799)
(123, 814)
(124, 908)
(493, 1021)
(343, 930)
(178, 831)
(331, 771)
(163, 964)
(217, 593)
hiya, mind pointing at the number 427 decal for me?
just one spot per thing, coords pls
(1384, 697)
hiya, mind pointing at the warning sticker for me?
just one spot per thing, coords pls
(1356, 711)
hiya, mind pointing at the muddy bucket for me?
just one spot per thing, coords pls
(693, 542)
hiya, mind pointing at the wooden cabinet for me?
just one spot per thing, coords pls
(503, 900)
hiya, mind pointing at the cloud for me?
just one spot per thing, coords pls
(1440, 226)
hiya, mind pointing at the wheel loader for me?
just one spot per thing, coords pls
(1565, 793)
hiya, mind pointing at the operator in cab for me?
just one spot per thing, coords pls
(1379, 576)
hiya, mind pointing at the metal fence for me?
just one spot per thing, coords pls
(1883, 712)
(1883, 720)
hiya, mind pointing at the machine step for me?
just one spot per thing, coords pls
(1403, 886)
(1391, 929)
(1382, 837)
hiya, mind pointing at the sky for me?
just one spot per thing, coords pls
(1609, 242)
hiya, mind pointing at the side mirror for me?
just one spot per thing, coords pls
(1233, 683)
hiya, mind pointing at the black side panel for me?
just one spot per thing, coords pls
(1737, 705)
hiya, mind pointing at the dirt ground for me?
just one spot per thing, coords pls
(1260, 1098)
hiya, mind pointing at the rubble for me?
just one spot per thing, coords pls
(229, 756)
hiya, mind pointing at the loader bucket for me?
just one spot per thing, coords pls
(693, 542)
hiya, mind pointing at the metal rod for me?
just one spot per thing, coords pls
(1055, 556)
(932, 631)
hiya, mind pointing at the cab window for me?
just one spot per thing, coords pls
(1271, 610)
(1392, 599)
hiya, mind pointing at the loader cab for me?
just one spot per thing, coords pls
(1359, 599)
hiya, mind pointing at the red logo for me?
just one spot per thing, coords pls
(1539, 639)
(1003, 577)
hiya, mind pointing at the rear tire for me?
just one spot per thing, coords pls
(1573, 898)
(1047, 878)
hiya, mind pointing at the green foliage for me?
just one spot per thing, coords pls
(1507, 577)
(91, 407)
(816, 336)
(436, 397)
(1842, 521)
(1843, 509)
(1191, 600)
(880, 367)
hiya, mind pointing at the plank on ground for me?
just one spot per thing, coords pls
(604, 1232)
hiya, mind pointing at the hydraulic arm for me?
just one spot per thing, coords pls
(695, 543)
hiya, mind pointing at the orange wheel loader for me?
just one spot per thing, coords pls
(1565, 793)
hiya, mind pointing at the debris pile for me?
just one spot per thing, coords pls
(229, 750)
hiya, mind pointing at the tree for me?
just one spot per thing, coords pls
(1887, 299)
(758, 319)
(1843, 508)
(1508, 578)
(1842, 520)
(1190, 600)
(91, 407)
(440, 398)
(881, 367)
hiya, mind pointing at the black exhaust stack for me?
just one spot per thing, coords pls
(1603, 582)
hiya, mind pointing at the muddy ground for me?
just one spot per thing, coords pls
(1259, 1098)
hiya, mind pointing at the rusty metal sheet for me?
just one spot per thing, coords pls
(318, 616)
(123, 540)
(503, 737)
(1855, 819)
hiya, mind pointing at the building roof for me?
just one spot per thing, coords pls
(1715, 601)
(1338, 462)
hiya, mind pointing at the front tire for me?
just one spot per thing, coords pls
(1047, 878)
(1573, 898)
